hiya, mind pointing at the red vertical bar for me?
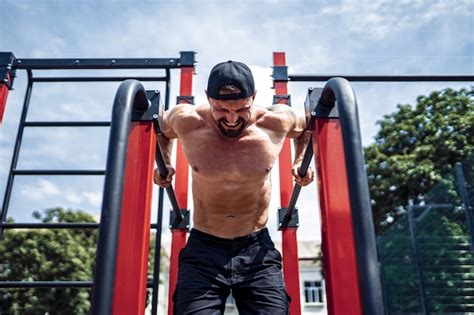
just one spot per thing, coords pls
(340, 265)
(134, 238)
(291, 271)
(3, 99)
(178, 240)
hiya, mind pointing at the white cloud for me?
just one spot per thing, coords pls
(43, 190)
(93, 198)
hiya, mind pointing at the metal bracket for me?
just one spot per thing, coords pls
(187, 58)
(186, 99)
(184, 224)
(7, 71)
(280, 73)
(293, 222)
(278, 98)
(313, 108)
(149, 115)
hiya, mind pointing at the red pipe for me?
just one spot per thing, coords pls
(132, 254)
(340, 264)
(178, 240)
(291, 271)
(3, 99)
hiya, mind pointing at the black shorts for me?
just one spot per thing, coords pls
(210, 267)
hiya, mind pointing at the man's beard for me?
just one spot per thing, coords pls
(231, 133)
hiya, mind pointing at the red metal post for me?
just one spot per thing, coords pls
(289, 241)
(178, 240)
(132, 254)
(3, 99)
(340, 264)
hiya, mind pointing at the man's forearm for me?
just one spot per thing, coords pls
(166, 146)
(300, 145)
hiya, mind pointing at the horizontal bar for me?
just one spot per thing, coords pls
(58, 172)
(50, 284)
(384, 78)
(96, 79)
(45, 284)
(101, 63)
(66, 124)
(68, 225)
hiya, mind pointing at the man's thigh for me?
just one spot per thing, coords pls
(199, 301)
(261, 301)
(262, 289)
(201, 288)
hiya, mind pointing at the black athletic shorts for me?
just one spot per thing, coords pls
(211, 267)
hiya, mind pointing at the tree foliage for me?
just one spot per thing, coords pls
(47, 255)
(51, 255)
(416, 148)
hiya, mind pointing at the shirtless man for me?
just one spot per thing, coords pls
(231, 146)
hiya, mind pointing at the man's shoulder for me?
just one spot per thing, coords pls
(276, 117)
(184, 117)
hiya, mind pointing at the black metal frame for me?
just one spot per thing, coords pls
(8, 65)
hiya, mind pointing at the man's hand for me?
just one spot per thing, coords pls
(302, 181)
(163, 182)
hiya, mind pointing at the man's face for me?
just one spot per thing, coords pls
(231, 116)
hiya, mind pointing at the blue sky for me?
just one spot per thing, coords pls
(319, 37)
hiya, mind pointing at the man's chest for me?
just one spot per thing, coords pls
(251, 156)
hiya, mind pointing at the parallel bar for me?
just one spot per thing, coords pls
(58, 172)
(338, 245)
(308, 155)
(67, 124)
(289, 236)
(338, 91)
(130, 96)
(384, 78)
(89, 63)
(97, 79)
(49, 284)
(16, 151)
(58, 225)
(160, 162)
(133, 244)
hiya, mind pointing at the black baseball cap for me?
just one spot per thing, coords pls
(230, 73)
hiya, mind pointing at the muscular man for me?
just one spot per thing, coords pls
(231, 146)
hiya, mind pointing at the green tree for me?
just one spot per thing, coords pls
(53, 254)
(48, 255)
(416, 148)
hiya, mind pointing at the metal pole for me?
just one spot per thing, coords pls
(130, 95)
(461, 183)
(16, 151)
(419, 269)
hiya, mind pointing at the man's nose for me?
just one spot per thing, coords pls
(232, 117)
